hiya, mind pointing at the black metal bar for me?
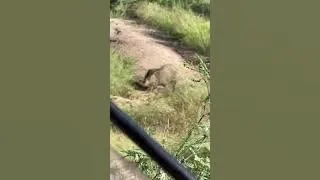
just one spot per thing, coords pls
(148, 144)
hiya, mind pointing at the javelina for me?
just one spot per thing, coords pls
(165, 76)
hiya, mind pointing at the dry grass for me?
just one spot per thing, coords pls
(169, 113)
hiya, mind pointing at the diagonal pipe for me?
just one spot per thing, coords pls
(138, 135)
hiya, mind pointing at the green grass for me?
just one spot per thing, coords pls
(201, 7)
(174, 17)
(121, 73)
(192, 30)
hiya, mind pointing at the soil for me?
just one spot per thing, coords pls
(150, 48)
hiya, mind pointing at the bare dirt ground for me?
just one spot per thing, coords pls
(151, 48)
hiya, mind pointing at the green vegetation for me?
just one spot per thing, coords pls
(192, 30)
(179, 120)
(200, 7)
(121, 75)
(174, 18)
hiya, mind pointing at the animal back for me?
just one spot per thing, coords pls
(167, 74)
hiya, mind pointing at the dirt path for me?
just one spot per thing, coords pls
(151, 48)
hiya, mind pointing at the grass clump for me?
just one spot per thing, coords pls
(121, 73)
(170, 113)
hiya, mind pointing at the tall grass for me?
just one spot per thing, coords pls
(192, 30)
(174, 112)
(201, 7)
(121, 73)
(170, 16)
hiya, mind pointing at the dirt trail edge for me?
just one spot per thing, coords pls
(149, 47)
